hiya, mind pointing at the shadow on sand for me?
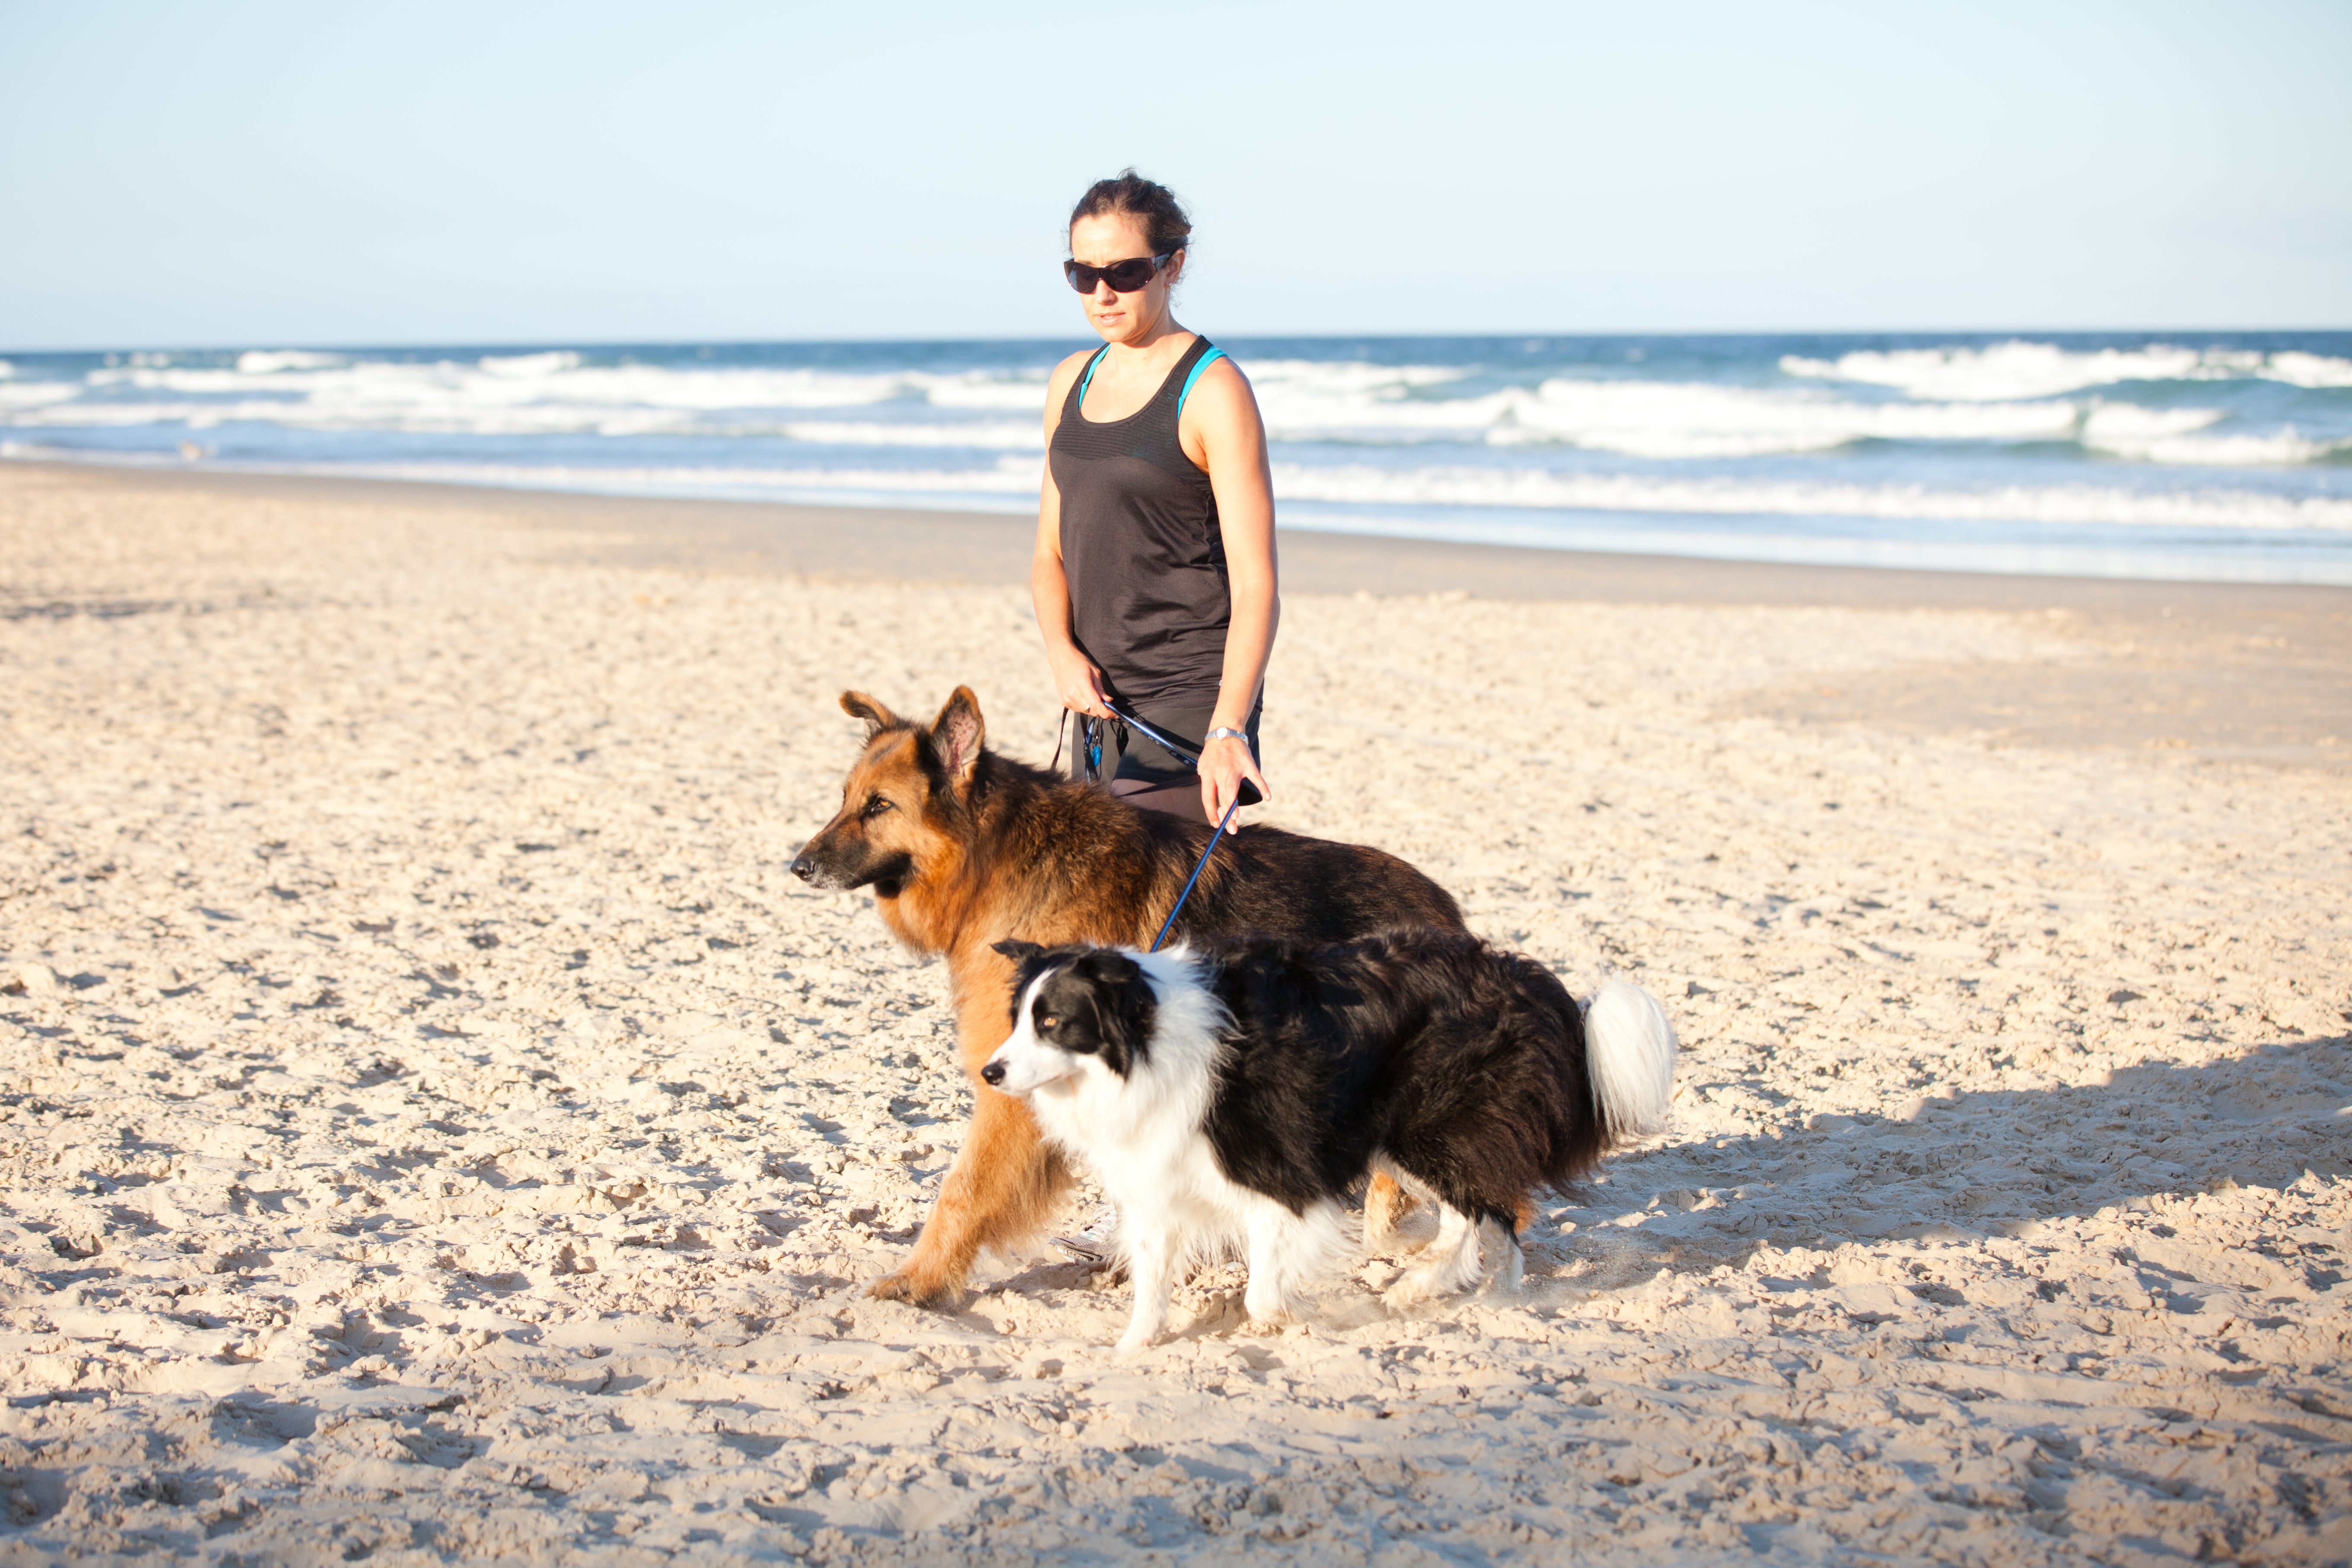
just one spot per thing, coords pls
(1967, 1165)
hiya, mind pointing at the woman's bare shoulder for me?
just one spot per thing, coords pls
(1225, 372)
(1059, 385)
(1068, 372)
(1222, 396)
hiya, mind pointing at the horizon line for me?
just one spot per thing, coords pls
(324, 346)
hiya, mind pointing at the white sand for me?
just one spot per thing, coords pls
(436, 1124)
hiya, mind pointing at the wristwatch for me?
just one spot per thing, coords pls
(1224, 732)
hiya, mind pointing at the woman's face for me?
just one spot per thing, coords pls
(1117, 236)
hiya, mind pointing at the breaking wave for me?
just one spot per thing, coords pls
(2067, 504)
(2143, 438)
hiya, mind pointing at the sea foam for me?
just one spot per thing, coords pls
(2028, 370)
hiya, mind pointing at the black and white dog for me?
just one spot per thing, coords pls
(1234, 1095)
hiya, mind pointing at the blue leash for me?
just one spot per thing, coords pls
(1090, 745)
(1196, 874)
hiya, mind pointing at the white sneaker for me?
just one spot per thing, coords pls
(1092, 1245)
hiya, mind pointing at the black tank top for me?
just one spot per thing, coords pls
(1150, 601)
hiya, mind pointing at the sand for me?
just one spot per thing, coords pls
(435, 1125)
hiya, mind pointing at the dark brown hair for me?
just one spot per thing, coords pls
(1164, 223)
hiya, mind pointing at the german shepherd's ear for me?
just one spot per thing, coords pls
(857, 705)
(957, 734)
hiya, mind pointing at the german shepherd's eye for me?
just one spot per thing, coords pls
(875, 807)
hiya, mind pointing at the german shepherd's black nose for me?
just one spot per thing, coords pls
(993, 1073)
(803, 867)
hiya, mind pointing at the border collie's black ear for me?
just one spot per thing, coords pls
(957, 734)
(1019, 951)
(1124, 1006)
(857, 705)
(1109, 966)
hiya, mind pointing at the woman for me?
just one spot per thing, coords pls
(1154, 574)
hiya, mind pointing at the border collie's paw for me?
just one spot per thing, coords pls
(938, 1295)
(1269, 1311)
(1509, 1275)
(1410, 1291)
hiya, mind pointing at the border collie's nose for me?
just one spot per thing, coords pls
(803, 867)
(993, 1074)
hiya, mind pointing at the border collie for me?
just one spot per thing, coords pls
(1231, 1098)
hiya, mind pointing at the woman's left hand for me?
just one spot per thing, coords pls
(1224, 764)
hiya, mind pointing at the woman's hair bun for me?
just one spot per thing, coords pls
(1164, 223)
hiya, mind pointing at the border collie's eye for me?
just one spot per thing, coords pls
(1049, 1022)
(876, 807)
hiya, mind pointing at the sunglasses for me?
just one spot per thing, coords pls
(1124, 277)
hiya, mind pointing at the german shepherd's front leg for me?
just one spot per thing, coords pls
(1005, 1181)
(1001, 1190)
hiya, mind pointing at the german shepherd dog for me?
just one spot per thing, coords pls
(965, 848)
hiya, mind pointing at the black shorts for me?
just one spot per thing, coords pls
(1127, 757)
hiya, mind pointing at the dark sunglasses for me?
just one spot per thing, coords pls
(1124, 277)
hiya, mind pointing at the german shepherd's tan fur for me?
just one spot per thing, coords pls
(965, 848)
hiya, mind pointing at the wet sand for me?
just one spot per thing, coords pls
(435, 1125)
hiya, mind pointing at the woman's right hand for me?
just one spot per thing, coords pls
(1080, 683)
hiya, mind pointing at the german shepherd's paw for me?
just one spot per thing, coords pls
(938, 1295)
(1385, 1202)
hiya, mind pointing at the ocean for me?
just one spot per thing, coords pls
(2206, 456)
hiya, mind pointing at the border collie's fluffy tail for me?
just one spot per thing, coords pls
(1629, 1049)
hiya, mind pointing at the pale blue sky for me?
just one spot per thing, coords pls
(241, 173)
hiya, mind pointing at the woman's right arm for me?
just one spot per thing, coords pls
(1077, 680)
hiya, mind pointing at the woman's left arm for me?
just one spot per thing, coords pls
(1220, 430)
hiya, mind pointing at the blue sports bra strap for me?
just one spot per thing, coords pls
(1088, 379)
(1205, 361)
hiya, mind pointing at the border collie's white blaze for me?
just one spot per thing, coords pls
(1236, 1098)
